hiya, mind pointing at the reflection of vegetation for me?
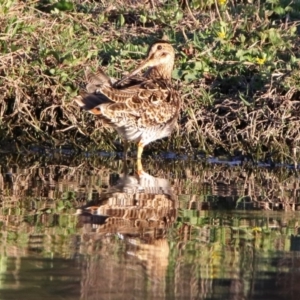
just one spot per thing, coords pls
(205, 244)
(48, 196)
(239, 247)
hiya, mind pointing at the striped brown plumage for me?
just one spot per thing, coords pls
(141, 108)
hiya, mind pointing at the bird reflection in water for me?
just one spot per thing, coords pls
(138, 209)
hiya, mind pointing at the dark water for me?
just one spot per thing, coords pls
(89, 228)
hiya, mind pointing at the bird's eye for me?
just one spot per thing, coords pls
(159, 47)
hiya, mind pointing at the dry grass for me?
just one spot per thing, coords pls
(240, 87)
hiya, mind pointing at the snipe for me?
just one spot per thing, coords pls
(141, 109)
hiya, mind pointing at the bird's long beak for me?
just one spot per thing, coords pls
(148, 62)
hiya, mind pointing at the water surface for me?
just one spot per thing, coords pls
(89, 228)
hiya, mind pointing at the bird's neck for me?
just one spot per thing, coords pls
(164, 72)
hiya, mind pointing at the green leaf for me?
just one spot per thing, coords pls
(190, 76)
(177, 74)
(121, 20)
(279, 10)
(242, 38)
(274, 37)
(143, 19)
(64, 5)
(178, 15)
(240, 54)
(244, 100)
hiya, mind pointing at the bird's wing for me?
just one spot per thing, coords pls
(143, 101)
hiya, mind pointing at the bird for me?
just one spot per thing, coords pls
(141, 108)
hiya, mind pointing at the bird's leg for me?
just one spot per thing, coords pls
(125, 149)
(125, 167)
(140, 151)
(139, 158)
(139, 166)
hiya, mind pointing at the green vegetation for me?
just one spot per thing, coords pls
(236, 68)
